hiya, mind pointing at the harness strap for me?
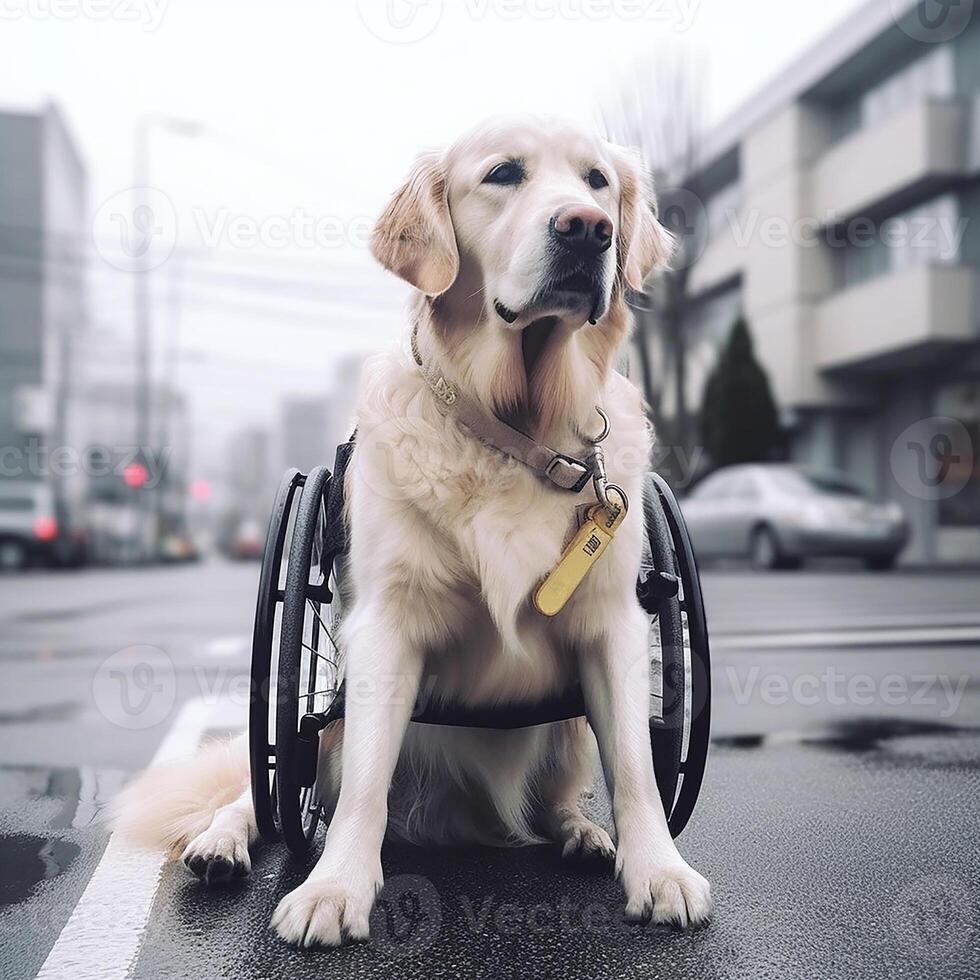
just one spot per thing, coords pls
(564, 471)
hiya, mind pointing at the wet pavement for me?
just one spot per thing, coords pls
(837, 821)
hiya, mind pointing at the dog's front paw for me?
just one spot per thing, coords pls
(326, 911)
(218, 856)
(669, 892)
(586, 843)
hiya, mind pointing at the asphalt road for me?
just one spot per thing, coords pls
(837, 821)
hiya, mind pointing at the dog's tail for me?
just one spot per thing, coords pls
(168, 805)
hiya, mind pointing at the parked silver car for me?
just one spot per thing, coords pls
(778, 514)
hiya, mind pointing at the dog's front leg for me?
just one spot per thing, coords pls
(382, 678)
(615, 679)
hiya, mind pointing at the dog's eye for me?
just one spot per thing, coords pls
(597, 179)
(511, 172)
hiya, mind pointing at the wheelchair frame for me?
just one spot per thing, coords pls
(296, 656)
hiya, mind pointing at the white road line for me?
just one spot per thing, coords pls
(846, 638)
(102, 937)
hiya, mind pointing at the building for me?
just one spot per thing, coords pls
(249, 474)
(43, 222)
(842, 210)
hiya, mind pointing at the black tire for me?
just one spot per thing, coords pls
(680, 730)
(880, 563)
(15, 556)
(307, 675)
(262, 715)
(767, 552)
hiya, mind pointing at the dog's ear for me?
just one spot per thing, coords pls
(643, 244)
(414, 236)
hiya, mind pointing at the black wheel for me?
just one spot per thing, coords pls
(880, 563)
(680, 703)
(14, 555)
(307, 665)
(765, 549)
(268, 611)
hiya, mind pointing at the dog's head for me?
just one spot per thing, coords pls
(534, 219)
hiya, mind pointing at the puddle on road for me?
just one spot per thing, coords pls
(739, 741)
(905, 739)
(869, 734)
(28, 860)
(63, 797)
(60, 711)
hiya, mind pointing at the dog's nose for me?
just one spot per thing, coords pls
(582, 228)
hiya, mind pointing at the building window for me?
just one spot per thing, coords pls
(925, 235)
(929, 77)
(722, 208)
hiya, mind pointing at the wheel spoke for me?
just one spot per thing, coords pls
(324, 625)
(313, 694)
(322, 656)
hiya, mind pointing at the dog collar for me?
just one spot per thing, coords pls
(564, 471)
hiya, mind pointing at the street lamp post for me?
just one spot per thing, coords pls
(142, 313)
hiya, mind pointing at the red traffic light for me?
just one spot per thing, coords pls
(135, 475)
(200, 490)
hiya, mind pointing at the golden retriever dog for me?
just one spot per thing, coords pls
(521, 241)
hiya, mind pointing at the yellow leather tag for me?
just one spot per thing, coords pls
(583, 551)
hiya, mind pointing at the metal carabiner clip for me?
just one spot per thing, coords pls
(605, 427)
(600, 482)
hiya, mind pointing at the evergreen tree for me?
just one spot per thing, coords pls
(739, 421)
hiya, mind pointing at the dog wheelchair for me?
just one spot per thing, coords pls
(297, 657)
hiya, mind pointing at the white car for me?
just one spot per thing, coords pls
(35, 528)
(779, 514)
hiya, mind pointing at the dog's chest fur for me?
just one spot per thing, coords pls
(475, 532)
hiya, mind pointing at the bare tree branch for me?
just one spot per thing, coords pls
(656, 106)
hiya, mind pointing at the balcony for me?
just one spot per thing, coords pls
(923, 144)
(915, 313)
(721, 261)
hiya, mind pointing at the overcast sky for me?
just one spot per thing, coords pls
(313, 111)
